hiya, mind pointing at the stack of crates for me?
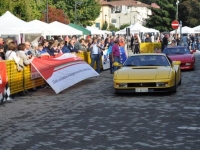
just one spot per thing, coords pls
(15, 78)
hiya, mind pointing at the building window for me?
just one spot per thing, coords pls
(118, 9)
(113, 21)
(112, 10)
(97, 25)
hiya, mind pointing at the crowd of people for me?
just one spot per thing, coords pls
(96, 44)
(10, 50)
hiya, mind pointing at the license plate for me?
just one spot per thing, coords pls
(141, 89)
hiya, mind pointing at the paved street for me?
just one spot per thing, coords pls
(89, 116)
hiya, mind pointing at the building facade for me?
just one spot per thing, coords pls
(123, 12)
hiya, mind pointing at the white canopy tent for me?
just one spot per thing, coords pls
(12, 25)
(197, 29)
(10, 21)
(45, 27)
(107, 32)
(136, 28)
(63, 29)
(185, 30)
(95, 30)
(8, 31)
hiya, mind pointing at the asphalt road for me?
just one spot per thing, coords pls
(89, 116)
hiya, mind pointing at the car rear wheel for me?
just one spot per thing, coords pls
(174, 87)
(193, 68)
(179, 83)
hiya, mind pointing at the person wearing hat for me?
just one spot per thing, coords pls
(115, 54)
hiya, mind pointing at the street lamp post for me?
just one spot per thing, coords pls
(47, 12)
(65, 15)
(119, 21)
(177, 2)
(75, 10)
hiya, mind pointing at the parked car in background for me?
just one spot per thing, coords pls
(183, 54)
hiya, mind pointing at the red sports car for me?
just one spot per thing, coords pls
(183, 54)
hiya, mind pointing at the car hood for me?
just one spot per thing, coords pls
(143, 73)
(182, 58)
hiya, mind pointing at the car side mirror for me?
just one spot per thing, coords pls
(116, 64)
(192, 51)
(176, 62)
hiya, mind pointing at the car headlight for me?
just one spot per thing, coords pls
(121, 84)
(161, 84)
(188, 64)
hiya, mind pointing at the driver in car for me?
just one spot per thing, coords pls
(135, 62)
(161, 61)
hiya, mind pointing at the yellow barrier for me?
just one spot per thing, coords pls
(86, 56)
(20, 81)
(150, 47)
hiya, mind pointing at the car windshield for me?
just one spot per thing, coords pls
(176, 51)
(147, 60)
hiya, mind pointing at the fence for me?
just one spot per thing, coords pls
(150, 47)
(21, 81)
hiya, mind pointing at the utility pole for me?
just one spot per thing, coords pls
(47, 12)
(177, 2)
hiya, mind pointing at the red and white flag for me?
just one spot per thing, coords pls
(63, 71)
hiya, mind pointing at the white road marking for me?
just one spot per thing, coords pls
(196, 108)
(189, 128)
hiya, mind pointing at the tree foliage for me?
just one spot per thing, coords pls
(188, 13)
(112, 27)
(55, 15)
(161, 18)
(124, 26)
(190, 16)
(86, 10)
(105, 25)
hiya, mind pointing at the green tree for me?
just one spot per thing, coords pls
(161, 18)
(146, 1)
(124, 26)
(26, 10)
(55, 15)
(86, 10)
(189, 12)
(105, 25)
(112, 28)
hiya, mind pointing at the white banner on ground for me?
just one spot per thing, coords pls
(63, 71)
(105, 60)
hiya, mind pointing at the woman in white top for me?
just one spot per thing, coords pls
(27, 59)
(11, 54)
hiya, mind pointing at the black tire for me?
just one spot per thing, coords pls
(193, 68)
(174, 87)
(1, 100)
(179, 82)
(116, 92)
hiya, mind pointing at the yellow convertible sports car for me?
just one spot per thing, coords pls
(152, 72)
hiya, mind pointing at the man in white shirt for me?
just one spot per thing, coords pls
(95, 54)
